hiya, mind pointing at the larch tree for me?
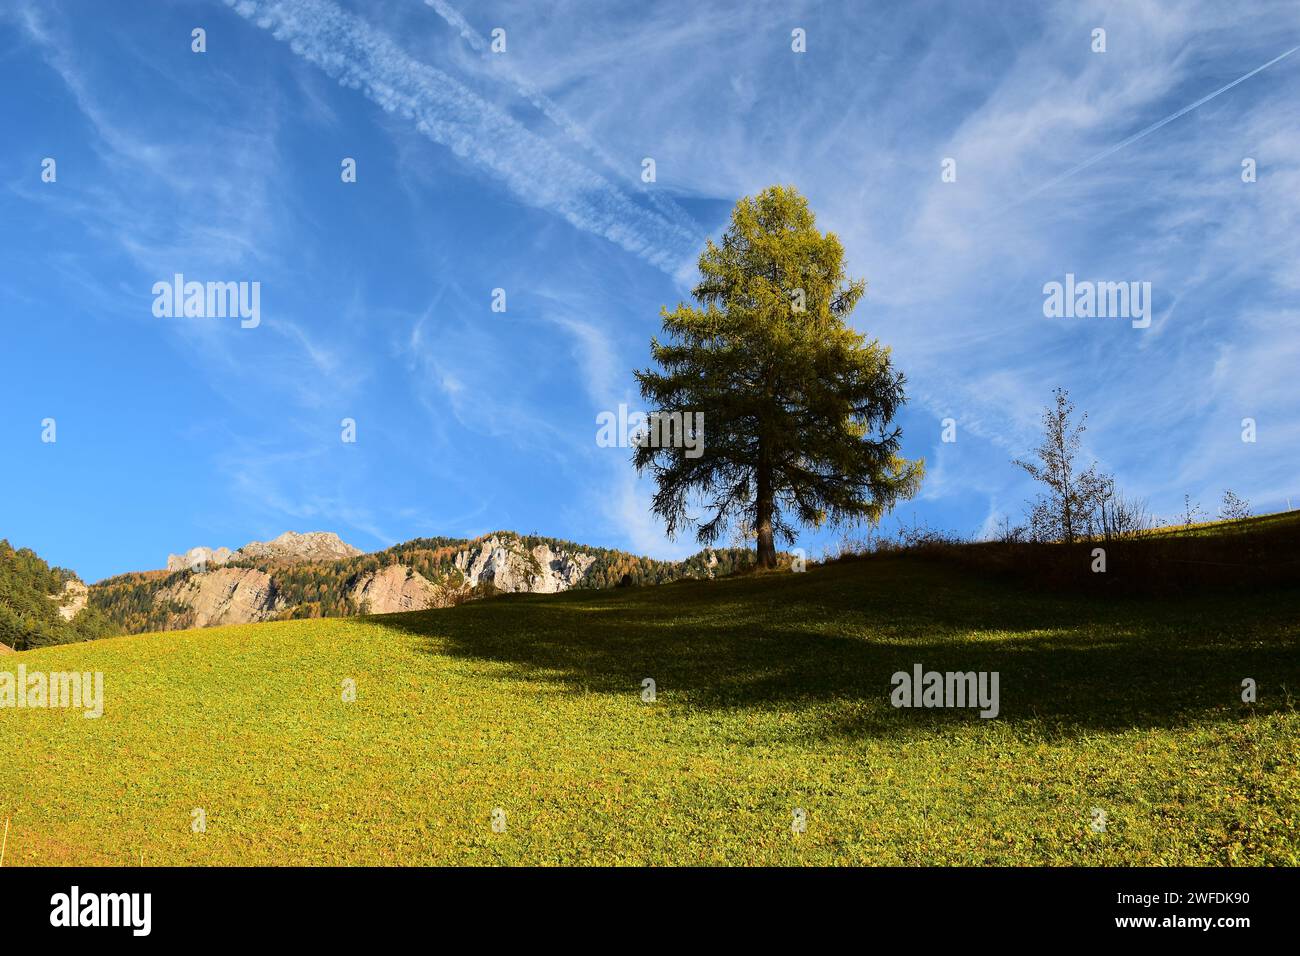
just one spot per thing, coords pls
(797, 405)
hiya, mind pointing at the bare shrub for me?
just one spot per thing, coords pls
(1192, 513)
(1119, 516)
(1008, 533)
(1234, 507)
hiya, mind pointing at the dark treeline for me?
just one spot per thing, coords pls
(29, 606)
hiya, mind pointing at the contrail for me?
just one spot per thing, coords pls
(1153, 127)
(477, 131)
(555, 114)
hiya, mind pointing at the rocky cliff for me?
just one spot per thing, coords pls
(73, 598)
(198, 559)
(396, 588)
(508, 566)
(221, 596)
(501, 561)
(290, 547)
(294, 547)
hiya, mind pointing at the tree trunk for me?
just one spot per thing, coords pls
(763, 524)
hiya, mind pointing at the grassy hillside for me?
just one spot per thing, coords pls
(1244, 557)
(773, 694)
(1278, 521)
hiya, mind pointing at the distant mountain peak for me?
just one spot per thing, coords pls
(309, 546)
(290, 546)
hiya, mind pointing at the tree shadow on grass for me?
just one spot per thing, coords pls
(830, 640)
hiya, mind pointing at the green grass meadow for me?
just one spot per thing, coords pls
(772, 696)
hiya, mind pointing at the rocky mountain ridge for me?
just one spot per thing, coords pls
(499, 561)
(290, 547)
(215, 592)
(318, 575)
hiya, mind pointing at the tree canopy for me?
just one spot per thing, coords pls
(797, 406)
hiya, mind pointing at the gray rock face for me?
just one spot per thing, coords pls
(510, 567)
(198, 559)
(396, 588)
(500, 561)
(290, 546)
(73, 599)
(224, 596)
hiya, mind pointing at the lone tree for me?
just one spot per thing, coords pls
(797, 406)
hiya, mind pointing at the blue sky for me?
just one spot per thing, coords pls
(521, 170)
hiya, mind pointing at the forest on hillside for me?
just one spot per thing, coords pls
(29, 614)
